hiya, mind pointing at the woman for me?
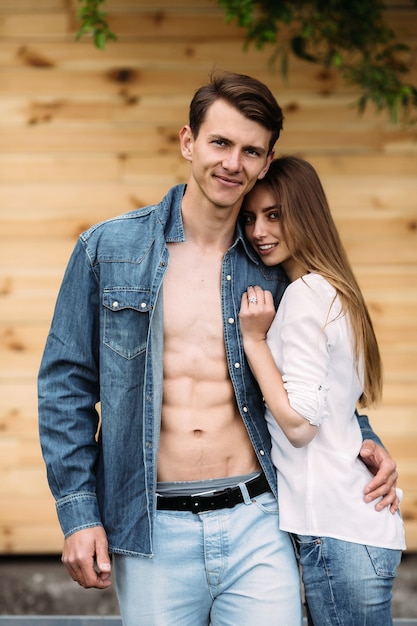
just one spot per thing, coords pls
(315, 363)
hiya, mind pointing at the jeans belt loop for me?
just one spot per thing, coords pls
(245, 493)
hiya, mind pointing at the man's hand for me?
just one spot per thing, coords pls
(383, 467)
(86, 557)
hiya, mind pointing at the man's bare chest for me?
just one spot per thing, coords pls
(192, 293)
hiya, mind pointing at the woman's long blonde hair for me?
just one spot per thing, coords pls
(313, 240)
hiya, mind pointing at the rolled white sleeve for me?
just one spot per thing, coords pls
(305, 344)
(308, 399)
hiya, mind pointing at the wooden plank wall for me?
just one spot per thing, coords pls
(86, 134)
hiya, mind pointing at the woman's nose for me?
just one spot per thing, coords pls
(259, 229)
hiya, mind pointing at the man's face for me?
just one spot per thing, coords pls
(227, 157)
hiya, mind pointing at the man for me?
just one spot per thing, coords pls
(146, 325)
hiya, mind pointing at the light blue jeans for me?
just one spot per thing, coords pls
(230, 567)
(347, 584)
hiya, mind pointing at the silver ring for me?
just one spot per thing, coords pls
(253, 300)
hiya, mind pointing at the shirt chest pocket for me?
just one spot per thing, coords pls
(126, 320)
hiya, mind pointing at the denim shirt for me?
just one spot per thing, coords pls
(100, 381)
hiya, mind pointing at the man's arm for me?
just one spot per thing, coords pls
(381, 465)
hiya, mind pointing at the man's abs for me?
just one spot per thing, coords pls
(202, 434)
(203, 440)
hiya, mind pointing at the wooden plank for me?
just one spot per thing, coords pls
(371, 193)
(21, 6)
(386, 277)
(393, 422)
(398, 333)
(401, 252)
(22, 452)
(411, 535)
(133, 54)
(191, 6)
(369, 165)
(20, 353)
(23, 482)
(399, 394)
(32, 25)
(107, 139)
(29, 538)
(410, 524)
(76, 203)
(173, 25)
(18, 409)
(38, 509)
(178, 79)
(16, 309)
(62, 168)
(52, 257)
(399, 222)
(92, 168)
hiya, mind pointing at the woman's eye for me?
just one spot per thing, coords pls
(248, 219)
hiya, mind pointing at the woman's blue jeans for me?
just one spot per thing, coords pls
(347, 584)
(230, 567)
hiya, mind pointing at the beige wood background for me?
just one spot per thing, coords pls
(86, 134)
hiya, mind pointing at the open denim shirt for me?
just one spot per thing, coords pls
(105, 348)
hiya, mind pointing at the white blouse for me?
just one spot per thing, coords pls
(320, 486)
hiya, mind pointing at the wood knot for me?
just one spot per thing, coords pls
(29, 57)
(122, 75)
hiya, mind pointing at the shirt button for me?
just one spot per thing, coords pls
(245, 409)
(261, 452)
(231, 320)
(228, 277)
(143, 305)
(237, 365)
(115, 304)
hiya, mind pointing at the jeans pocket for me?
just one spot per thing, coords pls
(385, 561)
(266, 503)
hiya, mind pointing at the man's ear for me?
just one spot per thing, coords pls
(186, 142)
(269, 158)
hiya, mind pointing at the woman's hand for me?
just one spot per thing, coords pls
(257, 310)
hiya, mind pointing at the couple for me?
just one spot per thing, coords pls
(173, 474)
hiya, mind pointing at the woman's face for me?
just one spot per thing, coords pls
(261, 219)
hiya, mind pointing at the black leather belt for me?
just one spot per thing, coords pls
(225, 499)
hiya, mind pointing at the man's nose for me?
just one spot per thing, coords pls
(233, 161)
